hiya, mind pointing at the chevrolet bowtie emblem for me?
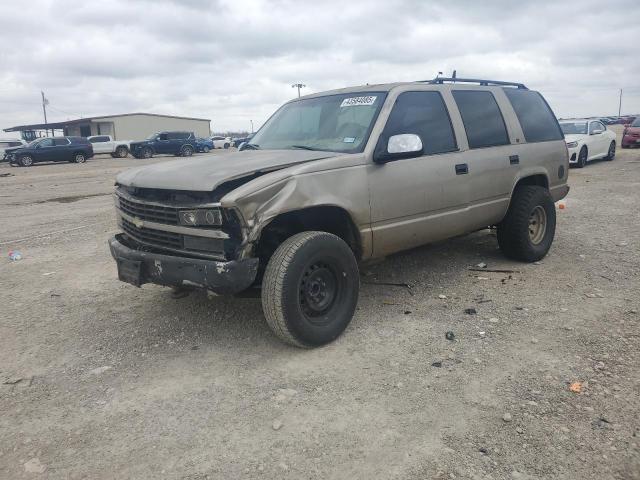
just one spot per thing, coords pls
(138, 223)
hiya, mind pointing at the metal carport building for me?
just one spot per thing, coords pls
(128, 126)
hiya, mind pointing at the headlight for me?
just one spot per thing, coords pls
(200, 217)
(572, 144)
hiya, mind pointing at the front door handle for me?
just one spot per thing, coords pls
(462, 169)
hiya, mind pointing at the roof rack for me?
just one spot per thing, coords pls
(486, 83)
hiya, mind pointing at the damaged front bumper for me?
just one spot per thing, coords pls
(138, 267)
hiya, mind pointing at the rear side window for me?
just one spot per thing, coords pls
(60, 141)
(99, 139)
(538, 122)
(178, 135)
(423, 114)
(482, 118)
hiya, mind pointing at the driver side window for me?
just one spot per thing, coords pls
(423, 114)
(596, 127)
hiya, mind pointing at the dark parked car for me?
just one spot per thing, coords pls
(204, 145)
(51, 149)
(238, 141)
(172, 143)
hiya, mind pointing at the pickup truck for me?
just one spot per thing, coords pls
(106, 144)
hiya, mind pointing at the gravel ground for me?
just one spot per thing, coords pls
(99, 379)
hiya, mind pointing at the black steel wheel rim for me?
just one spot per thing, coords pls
(318, 289)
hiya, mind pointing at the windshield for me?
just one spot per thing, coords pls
(153, 136)
(574, 128)
(335, 123)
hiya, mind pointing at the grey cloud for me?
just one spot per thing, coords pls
(235, 61)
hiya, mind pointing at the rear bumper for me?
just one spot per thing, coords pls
(138, 267)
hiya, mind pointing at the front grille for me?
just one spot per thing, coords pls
(151, 236)
(152, 213)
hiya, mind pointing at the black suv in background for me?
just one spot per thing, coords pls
(172, 143)
(51, 149)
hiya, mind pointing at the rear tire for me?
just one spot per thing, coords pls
(79, 157)
(310, 289)
(187, 151)
(611, 154)
(25, 161)
(122, 152)
(527, 231)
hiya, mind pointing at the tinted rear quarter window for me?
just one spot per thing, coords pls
(538, 122)
(482, 118)
(423, 114)
(58, 142)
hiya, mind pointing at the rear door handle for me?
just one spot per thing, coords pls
(462, 169)
(514, 159)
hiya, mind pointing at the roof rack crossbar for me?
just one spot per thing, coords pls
(486, 83)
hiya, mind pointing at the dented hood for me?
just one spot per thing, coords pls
(205, 173)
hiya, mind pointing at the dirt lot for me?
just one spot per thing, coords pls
(99, 379)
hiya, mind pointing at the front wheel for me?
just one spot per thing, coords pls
(205, 149)
(25, 161)
(527, 231)
(147, 153)
(582, 157)
(310, 289)
(611, 154)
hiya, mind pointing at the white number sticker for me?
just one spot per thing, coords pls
(357, 101)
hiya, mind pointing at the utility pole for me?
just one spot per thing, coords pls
(45, 102)
(620, 104)
(298, 86)
(251, 125)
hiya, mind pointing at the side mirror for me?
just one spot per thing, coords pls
(406, 145)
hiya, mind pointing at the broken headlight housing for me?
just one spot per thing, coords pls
(201, 217)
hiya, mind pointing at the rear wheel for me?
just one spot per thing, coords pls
(310, 289)
(611, 154)
(582, 157)
(527, 231)
(79, 157)
(122, 152)
(25, 160)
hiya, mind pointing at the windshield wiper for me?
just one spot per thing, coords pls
(303, 147)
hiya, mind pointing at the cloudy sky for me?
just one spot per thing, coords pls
(235, 61)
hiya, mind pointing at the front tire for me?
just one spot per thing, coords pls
(527, 231)
(147, 153)
(611, 154)
(582, 157)
(26, 161)
(310, 289)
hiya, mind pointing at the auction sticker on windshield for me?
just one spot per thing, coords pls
(358, 101)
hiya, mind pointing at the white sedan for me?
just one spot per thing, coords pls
(588, 140)
(221, 142)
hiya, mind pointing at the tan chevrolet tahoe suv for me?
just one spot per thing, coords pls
(336, 178)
